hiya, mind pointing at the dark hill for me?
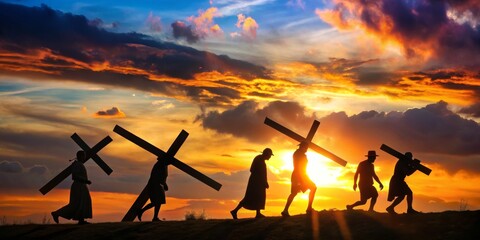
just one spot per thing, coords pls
(324, 225)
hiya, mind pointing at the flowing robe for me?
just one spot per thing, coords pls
(255, 195)
(80, 204)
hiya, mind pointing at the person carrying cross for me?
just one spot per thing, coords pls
(255, 195)
(398, 188)
(79, 206)
(157, 185)
(366, 170)
(300, 180)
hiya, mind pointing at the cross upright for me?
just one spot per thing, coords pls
(308, 139)
(169, 156)
(420, 167)
(90, 153)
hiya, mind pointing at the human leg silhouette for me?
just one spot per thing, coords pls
(234, 211)
(287, 205)
(155, 213)
(357, 203)
(372, 202)
(259, 215)
(398, 200)
(140, 213)
(311, 196)
(410, 203)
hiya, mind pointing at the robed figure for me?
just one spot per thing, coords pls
(398, 187)
(255, 196)
(156, 186)
(300, 180)
(80, 204)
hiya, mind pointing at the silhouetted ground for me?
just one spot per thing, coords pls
(324, 225)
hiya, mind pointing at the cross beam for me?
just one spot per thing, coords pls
(397, 154)
(311, 133)
(90, 153)
(143, 197)
(169, 156)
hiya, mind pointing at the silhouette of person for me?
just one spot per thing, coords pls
(255, 195)
(398, 187)
(79, 206)
(300, 180)
(156, 186)
(366, 171)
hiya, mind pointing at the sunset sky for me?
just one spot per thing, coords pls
(401, 72)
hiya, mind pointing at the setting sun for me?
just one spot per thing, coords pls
(322, 172)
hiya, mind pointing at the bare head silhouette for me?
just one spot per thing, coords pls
(408, 156)
(81, 156)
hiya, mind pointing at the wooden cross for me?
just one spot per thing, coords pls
(398, 155)
(308, 139)
(90, 153)
(169, 156)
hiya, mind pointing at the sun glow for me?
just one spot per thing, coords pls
(321, 172)
(319, 169)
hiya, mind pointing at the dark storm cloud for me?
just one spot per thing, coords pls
(45, 43)
(428, 21)
(246, 120)
(473, 110)
(182, 30)
(446, 27)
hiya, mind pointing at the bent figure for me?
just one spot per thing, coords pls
(80, 204)
(366, 170)
(398, 187)
(255, 195)
(300, 180)
(157, 185)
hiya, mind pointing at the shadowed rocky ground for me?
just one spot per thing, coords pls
(324, 225)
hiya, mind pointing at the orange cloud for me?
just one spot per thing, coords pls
(204, 24)
(248, 25)
(334, 18)
(113, 112)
